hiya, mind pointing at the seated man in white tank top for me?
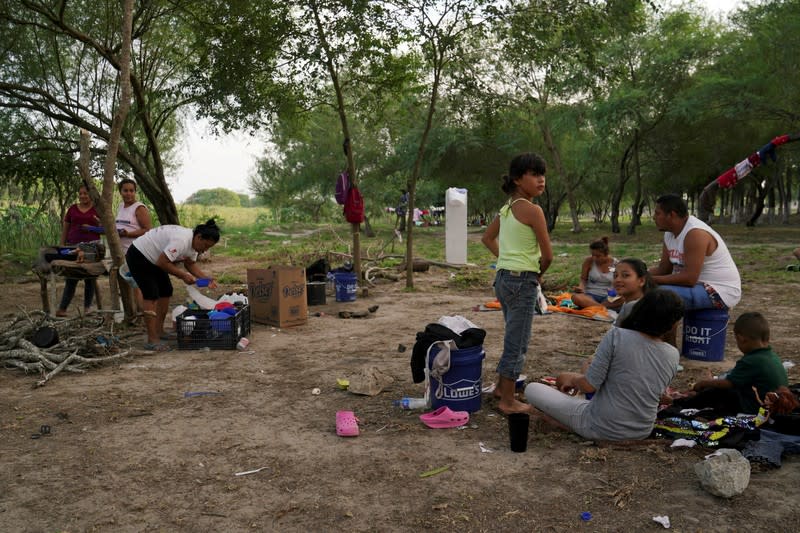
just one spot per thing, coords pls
(695, 262)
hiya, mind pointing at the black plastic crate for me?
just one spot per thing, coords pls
(218, 334)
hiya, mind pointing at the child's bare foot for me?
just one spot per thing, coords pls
(496, 392)
(514, 406)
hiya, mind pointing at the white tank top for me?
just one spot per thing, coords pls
(599, 282)
(126, 219)
(718, 270)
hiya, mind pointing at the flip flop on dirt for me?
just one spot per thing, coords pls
(443, 417)
(346, 424)
(157, 347)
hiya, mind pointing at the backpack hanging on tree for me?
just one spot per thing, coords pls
(354, 206)
(342, 185)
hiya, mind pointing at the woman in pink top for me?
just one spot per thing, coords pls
(75, 231)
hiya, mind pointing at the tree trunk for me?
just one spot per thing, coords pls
(348, 149)
(619, 190)
(559, 167)
(412, 184)
(638, 203)
(105, 205)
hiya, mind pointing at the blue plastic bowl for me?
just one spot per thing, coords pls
(202, 282)
(220, 321)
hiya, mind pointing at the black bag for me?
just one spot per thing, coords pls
(436, 332)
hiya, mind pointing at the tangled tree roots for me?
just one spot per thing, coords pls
(85, 341)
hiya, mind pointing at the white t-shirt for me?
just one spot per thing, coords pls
(173, 241)
(126, 219)
(718, 270)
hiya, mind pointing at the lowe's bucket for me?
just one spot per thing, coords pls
(704, 334)
(461, 385)
(346, 286)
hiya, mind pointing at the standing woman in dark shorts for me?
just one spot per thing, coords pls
(133, 220)
(519, 239)
(152, 258)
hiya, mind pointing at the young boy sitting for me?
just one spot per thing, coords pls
(760, 367)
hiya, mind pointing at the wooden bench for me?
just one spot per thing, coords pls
(48, 272)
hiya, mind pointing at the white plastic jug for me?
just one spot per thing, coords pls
(455, 226)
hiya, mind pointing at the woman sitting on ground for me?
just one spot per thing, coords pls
(597, 277)
(631, 368)
(631, 281)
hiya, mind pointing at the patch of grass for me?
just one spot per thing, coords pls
(761, 252)
(231, 278)
(472, 278)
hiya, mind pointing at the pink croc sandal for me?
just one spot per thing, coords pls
(346, 424)
(443, 417)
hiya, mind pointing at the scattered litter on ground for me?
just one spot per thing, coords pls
(435, 471)
(248, 472)
(663, 520)
(484, 449)
(369, 381)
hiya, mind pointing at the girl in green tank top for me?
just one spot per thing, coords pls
(519, 239)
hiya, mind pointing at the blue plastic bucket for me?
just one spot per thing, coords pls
(346, 286)
(461, 385)
(704, 334)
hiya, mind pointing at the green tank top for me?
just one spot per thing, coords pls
(519, 249)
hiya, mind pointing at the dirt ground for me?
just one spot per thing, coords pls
(129, 452)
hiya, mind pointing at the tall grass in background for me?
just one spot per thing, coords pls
(25, 230)
(761, 252)
(250, 233)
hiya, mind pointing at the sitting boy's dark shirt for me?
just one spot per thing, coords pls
(761, 368)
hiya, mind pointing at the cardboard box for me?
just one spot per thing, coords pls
(277, 296)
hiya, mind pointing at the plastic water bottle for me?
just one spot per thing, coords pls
(410, 403)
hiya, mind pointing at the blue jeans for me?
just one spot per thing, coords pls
(70, 284)
(693, 297)
(517, 294)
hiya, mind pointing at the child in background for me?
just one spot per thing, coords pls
(519, 239)
(759, 368)
(631, 281)
(597, 276)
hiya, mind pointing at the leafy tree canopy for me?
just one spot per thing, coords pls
(218, 196)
